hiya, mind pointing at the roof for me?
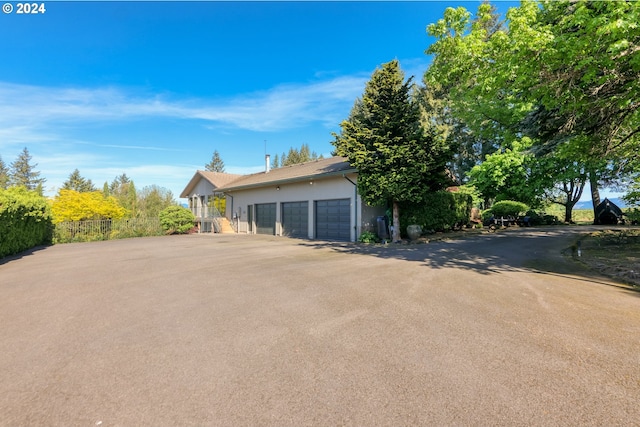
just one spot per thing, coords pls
(217, 179)
(315, 169)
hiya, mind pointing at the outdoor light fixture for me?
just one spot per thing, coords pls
(278, 188)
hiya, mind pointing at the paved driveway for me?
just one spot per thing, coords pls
(237, 330)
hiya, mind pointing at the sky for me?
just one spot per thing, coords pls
(152, 88)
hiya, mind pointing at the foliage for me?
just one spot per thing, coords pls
(296, 156)
(25, 220)
(507, 208)
(97, 230)
(152, 199)
(398, 160)
(22, 173)
(124, 191)
(78, 183)
(565, 73)
(368, 237)
(216, 164)
(176, 219)
(439, 211)
(220, 203)
(506, 175)
(71, 205)
(4, 175)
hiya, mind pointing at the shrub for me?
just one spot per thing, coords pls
(25, 220)
(440, 211)
(176, 219)
(509, 208)
(368, 237)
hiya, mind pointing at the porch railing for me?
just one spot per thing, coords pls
(208, 213)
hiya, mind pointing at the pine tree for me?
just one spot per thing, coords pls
(78, 183)
(216, 164)
(398, 160)
(22, 173)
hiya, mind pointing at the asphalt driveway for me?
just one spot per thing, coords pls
(233, 330)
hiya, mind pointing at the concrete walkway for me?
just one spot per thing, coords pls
(233, 330)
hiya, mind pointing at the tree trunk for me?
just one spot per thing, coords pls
(395, 238)
(595, 193)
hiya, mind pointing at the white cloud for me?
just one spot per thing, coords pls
(30, 112)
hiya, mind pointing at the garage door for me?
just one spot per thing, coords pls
(333, 219)
(295, 219)
(266, 218)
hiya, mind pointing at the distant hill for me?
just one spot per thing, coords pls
(588, 205)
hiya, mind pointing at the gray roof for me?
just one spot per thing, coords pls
(316, 169)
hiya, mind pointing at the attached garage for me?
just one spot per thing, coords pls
(333, 219)
(295, 219)
(266, 218)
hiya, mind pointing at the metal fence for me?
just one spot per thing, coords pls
(89, 231)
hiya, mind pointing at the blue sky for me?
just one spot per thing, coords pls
(151, 89)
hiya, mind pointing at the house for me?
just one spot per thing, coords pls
(201, 192)
(312, 200)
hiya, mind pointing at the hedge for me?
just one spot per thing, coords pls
(25, 221)
(440, 211)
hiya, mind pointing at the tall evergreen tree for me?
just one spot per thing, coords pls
(397, 158)
(216, 164)
(78, 183)
(4, 175)
(302, 155)
(22, 173)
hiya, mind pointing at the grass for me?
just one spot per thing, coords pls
(615, 253)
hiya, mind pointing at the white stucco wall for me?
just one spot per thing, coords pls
(336, 187)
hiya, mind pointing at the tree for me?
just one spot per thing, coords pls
(564, 72)
(398, 160)
(216, 164)
(296, 156)
(78, 183)
(124, 190)
(152, 199)
(4, 175)
(71, 205)
(22, 173)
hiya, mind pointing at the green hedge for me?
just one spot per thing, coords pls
(25, 221)
(509, 208)
(441, 211)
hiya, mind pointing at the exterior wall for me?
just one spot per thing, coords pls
(336, 187)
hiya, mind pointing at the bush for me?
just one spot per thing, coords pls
(176, 219)
(508, 208)
(440, 211)
(368, 237)
(25, 220)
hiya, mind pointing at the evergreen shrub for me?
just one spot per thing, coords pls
(440, 211)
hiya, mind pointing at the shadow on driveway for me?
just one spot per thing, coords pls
(539, 250)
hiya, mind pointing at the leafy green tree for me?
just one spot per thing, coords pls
(216, 164)
(398, 160)
(124, 190)
(152, 199)
(22, 173)
(71, 205)
(176, 219)
(78, 183)
(25, 220)
(4, 175)
(506, 175)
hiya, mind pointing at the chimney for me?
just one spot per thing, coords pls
(267, 163)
